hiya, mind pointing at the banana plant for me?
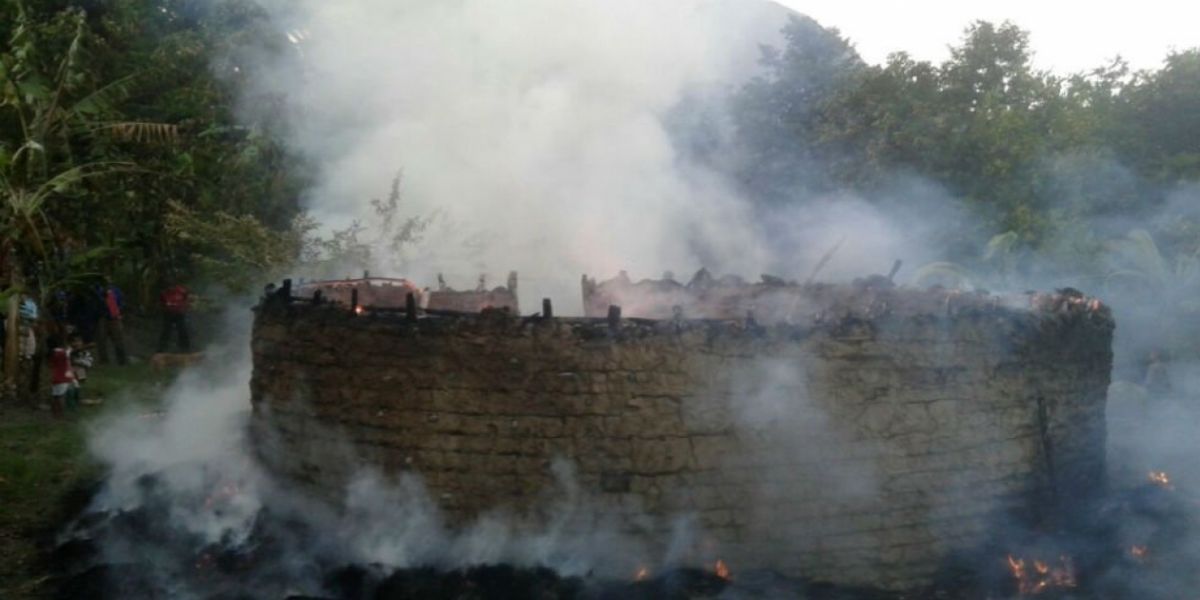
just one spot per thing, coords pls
(50, 100)
(51, 111)
(1138, 265)
(998, 268)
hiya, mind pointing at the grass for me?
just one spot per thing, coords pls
(44, 463)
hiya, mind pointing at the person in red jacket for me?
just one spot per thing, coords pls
(175, 303)
(62, 376)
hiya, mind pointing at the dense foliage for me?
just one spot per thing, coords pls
(1064, 164)
(116, 118)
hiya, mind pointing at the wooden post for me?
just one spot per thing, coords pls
(354, 299)
(410, 307)
(547, 310)
(614, 317)
(317, 298)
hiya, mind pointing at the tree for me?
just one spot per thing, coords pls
(49, 105)
(1160, 117)
(114, 117)
(778, 158)
(151, 83)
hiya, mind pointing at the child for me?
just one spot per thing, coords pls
(62, 378)
(81, 361)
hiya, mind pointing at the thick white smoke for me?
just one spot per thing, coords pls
(532, 131)
(196, 444)
(533, 134)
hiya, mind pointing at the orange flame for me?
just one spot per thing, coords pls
(1160, 479)
(1043, 575)
(358, 310)
(721, 569)
(642, 574)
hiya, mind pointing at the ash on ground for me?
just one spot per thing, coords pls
(1133, 545)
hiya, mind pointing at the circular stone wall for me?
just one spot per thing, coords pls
(862, 447)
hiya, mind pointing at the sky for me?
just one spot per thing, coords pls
(1067, 35)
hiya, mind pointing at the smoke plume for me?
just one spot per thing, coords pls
(532, 134)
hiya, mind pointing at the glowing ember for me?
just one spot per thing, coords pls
(358, 310)
(1160, 479)
(1139, 553)
(642, 574)
(223, 493)
(721, 569)
(1042, 576)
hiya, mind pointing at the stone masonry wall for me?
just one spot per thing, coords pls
(861, 448)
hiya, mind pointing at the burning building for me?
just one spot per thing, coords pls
(393, 293)
(367, 291)
(861, 434)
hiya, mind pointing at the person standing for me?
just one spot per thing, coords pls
(175, 303)
(62, 377)
(30, 359)
(111, 329)
(81, 361)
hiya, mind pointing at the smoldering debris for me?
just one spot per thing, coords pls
(1138, 546)
(142, 552)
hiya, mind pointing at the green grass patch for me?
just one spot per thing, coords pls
(42, 459)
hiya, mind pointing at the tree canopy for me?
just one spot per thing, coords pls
(116, 115)
(1055, 160)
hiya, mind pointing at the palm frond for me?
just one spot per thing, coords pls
(141, 132)
(65, 180)
(105, 97)
(1138, 252)
(1001, 246)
